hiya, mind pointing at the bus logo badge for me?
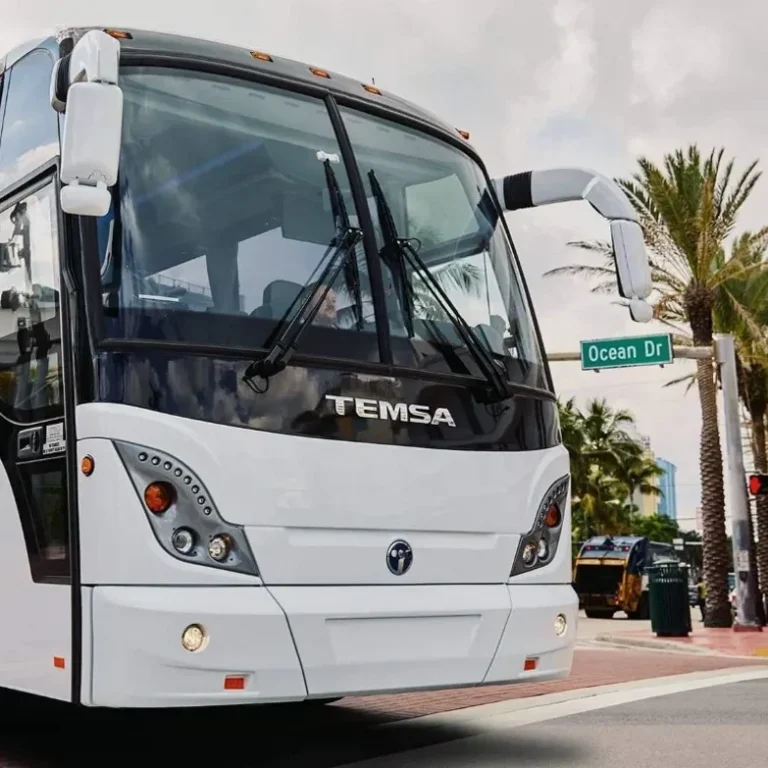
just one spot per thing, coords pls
(399, 557)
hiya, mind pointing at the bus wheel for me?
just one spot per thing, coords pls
(599, 613)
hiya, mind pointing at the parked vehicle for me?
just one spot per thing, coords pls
(609, 574)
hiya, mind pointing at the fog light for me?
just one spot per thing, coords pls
(529, 553)
(561, 625)
(193, 638)
(183, 540)
(218, 548)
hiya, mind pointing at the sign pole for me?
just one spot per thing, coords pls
(746, 617)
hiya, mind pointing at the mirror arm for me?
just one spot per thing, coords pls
(95, 59)
(562, 185)
(532, 189)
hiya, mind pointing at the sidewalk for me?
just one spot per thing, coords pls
(720, 642)
(592, 667)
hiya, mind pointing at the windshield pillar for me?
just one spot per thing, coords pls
(369, 238)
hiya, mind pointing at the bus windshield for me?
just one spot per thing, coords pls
(222, 222)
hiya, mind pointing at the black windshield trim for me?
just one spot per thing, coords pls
(304, 360)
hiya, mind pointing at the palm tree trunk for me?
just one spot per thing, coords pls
(761, 503)
(715, 544)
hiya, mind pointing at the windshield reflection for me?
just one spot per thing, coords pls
(223, 214)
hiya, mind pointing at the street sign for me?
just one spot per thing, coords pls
(758, 485)
(626, 352)
(679, 544)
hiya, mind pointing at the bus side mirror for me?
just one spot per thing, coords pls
(84, 86)
(536, 188)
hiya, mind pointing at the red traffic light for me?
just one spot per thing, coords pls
(758, 485)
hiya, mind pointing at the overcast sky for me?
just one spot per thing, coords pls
(538, 83)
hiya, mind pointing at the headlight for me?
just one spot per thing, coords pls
(182, 513)
(218, 548)
(529, 554)
(183, 540)
(538, 546)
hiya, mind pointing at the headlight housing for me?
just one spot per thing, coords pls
(539, 546)
(181, 512)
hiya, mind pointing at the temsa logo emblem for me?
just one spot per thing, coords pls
(382, 409)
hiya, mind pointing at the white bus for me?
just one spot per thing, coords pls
(277, 423)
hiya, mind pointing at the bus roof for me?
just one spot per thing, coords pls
(179, 47)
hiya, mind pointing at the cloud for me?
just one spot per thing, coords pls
(538, 84)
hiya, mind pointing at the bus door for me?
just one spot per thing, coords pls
(35, 596)
(35, 593)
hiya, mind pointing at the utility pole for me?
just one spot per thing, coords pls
(746, 578)
(746, 586)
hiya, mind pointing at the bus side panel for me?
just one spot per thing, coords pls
(35, 634)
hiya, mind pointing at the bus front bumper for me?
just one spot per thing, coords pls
(293, 643)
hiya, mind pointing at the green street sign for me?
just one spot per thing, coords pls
(626, 352)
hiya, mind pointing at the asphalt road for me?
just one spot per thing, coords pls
(698, 720)
(708, 727)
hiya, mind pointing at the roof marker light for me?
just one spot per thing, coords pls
(372, 89)
(261, 56)
(319, 72)
(463, 134)
(118, 34)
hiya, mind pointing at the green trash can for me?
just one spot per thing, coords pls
(668, 599)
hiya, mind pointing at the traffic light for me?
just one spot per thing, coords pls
(758, 485)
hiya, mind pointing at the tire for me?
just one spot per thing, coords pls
(599, 613)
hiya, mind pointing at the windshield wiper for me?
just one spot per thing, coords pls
(499, 387)
(343, 244)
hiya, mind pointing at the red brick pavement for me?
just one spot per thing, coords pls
(591, 667)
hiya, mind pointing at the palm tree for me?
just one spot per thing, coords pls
(603, 508)
(687, 208)
(641, 473)
(607, 464)
(657, 528)
(750, 329)
(746, 317)
(607, 436)
(574, 438)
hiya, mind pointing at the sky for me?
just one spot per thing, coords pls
(539, 84)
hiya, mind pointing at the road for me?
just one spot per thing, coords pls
(479, 725)
(703, 722)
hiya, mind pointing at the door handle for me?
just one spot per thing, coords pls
(30, 443)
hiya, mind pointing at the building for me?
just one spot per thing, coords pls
(667, 502)
(645, 503)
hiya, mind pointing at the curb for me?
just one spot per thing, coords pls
(481, 712)
(659, 645)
